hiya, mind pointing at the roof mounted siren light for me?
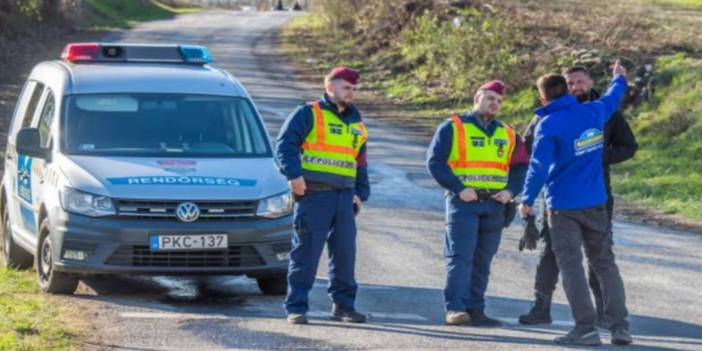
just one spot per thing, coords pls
(80, 52)
(195, 54)
(153, 53)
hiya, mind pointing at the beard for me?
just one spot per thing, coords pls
(344, 103)
(583, 97)
(486, 114)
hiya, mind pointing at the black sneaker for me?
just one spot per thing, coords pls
(479, 319)
(297, 318)
(347, 315)
(579, 337)
(621, 337)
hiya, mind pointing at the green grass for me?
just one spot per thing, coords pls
(306, 39)
(685, 3)
(176, 10)
(31, 321)
(665, 172)
(126, 13)
(518, 107)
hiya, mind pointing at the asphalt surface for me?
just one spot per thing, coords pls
(400, 264)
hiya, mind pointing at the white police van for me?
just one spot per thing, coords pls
(141, 159)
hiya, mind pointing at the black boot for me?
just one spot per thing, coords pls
(540, 313)
(347, 315)
(478, 318)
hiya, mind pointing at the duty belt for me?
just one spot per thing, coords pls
(315, 186)
(318, 186)
(485, 194)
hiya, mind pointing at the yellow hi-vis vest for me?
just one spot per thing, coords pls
(332, 145)
(478, 160)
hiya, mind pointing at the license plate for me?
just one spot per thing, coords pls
(189, 242)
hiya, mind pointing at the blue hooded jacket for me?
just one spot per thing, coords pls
(567, 151)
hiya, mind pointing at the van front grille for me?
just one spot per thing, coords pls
(166, 210)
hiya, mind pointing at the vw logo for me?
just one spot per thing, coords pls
(188, 212)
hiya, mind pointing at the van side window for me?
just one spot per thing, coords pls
(32, 106)
(47, 116)
(31, 93)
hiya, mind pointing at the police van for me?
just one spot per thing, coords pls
(141, 159)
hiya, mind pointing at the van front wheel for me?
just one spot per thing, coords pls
(273, 285)
(50, 281)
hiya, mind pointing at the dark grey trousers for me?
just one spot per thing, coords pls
(570, 231)
(547, 269)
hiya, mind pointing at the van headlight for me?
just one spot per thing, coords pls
(78, 202)
(275, 206)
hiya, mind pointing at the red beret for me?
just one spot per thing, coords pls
(495, 85)
(345, 73)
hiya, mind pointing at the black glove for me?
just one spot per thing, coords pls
(531, 233)
(510, 213)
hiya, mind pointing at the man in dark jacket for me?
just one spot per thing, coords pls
(322, 151)
(620, 145)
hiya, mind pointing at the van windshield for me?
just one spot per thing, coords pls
(162, 125)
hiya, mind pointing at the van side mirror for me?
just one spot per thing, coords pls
(28, 144)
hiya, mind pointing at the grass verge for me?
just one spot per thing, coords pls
(684, 3)
(126, 13)
(31, 321)
(665, 172)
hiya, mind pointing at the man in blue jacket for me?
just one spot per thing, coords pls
(481, 163)
(619, 146)
(322, 151)
(567, 157)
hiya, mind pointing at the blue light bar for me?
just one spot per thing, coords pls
(195, 54)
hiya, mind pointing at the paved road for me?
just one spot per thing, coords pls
(400, 264)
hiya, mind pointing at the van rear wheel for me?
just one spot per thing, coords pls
(273, 285)
(51, 281)
(13, 255)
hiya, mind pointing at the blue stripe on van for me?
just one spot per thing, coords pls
(28, 218)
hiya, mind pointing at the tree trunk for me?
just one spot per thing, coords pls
(50, 10)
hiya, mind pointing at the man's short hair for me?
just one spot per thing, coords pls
(552, 86)
(575, 69)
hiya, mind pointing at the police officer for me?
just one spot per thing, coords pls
(322, 151)
(481, 163)
(567, 158)
(619, 146)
